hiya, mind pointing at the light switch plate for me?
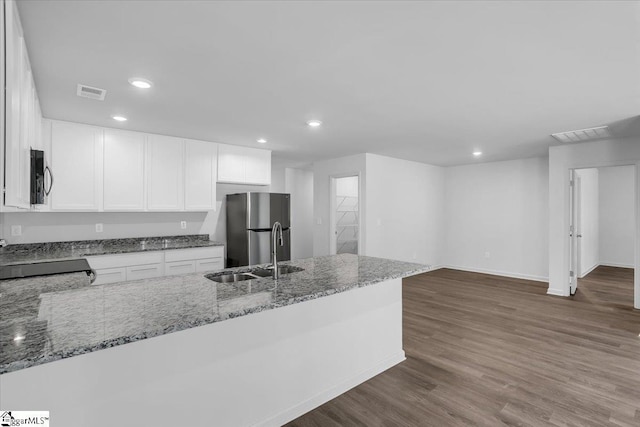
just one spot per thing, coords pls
(16, 230)
(183, 225)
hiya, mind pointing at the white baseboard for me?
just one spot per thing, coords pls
(436, 267)
(557, 292)
(500, 273)
(333, 392)
(589, 270)
(615, 264)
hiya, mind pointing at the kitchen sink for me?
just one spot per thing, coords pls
(256, 273)
(229, 278)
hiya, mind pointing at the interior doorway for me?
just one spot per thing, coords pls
(345, 215)
(602, 234)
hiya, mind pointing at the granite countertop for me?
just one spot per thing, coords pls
(81, 320)
(52, 251)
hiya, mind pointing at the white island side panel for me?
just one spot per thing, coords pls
(265, 368)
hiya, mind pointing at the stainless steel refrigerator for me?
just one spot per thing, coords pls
(250, 217)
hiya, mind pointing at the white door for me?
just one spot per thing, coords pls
(345, 221)
(165, 186)
(573, 234)
(200, 175)
(76, 164)
(123, 170)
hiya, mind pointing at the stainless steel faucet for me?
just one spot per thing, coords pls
(276, 232)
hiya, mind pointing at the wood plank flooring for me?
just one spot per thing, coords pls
(489, 351)
(607, 286)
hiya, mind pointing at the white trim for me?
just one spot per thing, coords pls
(596, 265)
(326, 395)
(557, 292)
(500, 273)
(615, 264)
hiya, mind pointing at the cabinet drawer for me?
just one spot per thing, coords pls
(125, 260)
(194, 253)
(110, 275)
(209, 264)
(144, 271)
(179, 267)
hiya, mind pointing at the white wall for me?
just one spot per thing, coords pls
(404, 210)
(617, 222)
(496, 218)
(299, 183)
(574, 156)
(322, 173)
(588, 223)
(66, 226)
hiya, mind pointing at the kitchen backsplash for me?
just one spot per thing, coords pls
(62, 226)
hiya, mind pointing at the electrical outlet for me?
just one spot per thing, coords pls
(319, 221)
(487, 255)
(16, 230)
(99, 228)
(183, 225)
(415, 255)
(379, 223)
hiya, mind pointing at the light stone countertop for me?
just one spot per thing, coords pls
(53, 251)
(76, 319)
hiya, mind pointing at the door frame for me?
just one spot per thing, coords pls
(569, 192)
(332, 210)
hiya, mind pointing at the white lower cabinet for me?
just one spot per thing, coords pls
(179, 267)
(146, 265)
(110, 275)
(144, 271)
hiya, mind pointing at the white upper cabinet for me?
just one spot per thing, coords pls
(231, 163)
(124, 180)
(258, 167)
(76, 162)
(200, 175)
(21, 131)
(244, 165)
(165, 173)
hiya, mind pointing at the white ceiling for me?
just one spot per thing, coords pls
(426, 81)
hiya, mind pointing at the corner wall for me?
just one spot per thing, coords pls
(404, 210)
(617, 195)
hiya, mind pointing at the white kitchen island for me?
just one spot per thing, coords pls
(247, 353)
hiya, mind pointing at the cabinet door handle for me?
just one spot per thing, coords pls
(143, 269)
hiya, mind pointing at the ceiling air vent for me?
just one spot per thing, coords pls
(583, 134)
(91, 92)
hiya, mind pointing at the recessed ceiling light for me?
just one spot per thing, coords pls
(314, 123)
(262, 141)
(140, 83)
(119, 118)
(477, 153)
(18, 338)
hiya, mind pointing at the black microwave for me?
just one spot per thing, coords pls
(39, 169)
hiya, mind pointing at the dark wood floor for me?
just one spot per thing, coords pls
(490, 351)
(607, 286)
